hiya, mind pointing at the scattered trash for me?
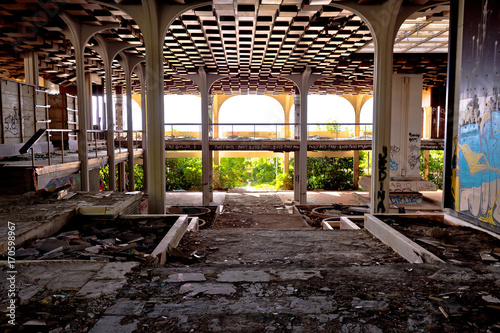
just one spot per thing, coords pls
(490, 299)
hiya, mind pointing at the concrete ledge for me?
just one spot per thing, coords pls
(43, 229)
(330, 225)
(347, 224)
(109, 211)
(171, 240)
(193, 224)
(401, 244)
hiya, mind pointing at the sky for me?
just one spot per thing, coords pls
(251, 109)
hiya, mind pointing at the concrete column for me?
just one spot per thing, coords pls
(381, 141)
(153, 40)
(31, 67)
(119, 108)
(128, 64)
(79, 35)
(296, 177)
(121, 177)
(110, 134)
(215, 113)
(357, 102)
(88, 96)
(108, 52)
(140, 70)
(296, 154)
(303, 82)
(450, 181)
(303, 140)
(206, 154)
(83, 149)
(130, 138)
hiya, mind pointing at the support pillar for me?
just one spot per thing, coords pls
(204, 82)
(141, 70)
(153, 41)
(455, 44)
(296, 155)
(128, 65)
(79, 34)
(108, 52)
(357, 102)
(121, 177)
(31, 67)
(206, 154)
(153, 18)
(304, 82)
(83, 149)
(88, 97)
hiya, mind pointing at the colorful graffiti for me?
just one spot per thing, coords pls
(73, 179)
(478, 164)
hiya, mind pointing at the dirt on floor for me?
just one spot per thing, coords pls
(459, 245)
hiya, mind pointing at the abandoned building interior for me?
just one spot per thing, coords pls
(88, 245)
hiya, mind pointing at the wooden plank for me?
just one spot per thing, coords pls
(171, 240)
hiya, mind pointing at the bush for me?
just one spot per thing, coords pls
(284, 181)
(263, 171)
(231, 172)
(183, 174)
(435, 166)
(330, 174)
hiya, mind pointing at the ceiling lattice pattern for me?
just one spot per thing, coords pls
(253, 44)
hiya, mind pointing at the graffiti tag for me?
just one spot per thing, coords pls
(382, 175)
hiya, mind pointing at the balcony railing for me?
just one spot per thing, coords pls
(268, 131)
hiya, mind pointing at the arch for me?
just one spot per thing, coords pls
(257, 109)
(366, 114)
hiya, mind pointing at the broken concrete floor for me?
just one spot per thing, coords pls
(262, 281)
(258, 280)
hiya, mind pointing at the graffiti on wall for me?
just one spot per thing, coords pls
(73, 179)
(382, 175)
(478, 159)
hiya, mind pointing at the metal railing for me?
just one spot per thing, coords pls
(96, 140)
(271, 131)
(122, 135)
(335, 131)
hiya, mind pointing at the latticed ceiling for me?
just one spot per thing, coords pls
(253, 44)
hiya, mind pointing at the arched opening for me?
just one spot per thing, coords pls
(251, 116)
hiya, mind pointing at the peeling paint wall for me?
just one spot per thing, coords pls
(477, 145)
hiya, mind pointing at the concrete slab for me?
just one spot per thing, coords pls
(126, 307)
(244, 276)
(297, 274)
(70, 280)
(184, 198)
(193, 289)
(185, 277)
(111, 324)
(98, 288)
(115, 270)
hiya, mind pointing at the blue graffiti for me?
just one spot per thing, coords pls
(394, 165)
(406, 199)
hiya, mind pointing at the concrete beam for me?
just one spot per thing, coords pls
(401, 244)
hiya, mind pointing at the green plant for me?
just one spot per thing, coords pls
(284, 181)
(331, 174)
(264, 171)
(435, 166)
(183, 174)
(231, 172)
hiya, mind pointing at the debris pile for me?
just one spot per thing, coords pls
(116, 240)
